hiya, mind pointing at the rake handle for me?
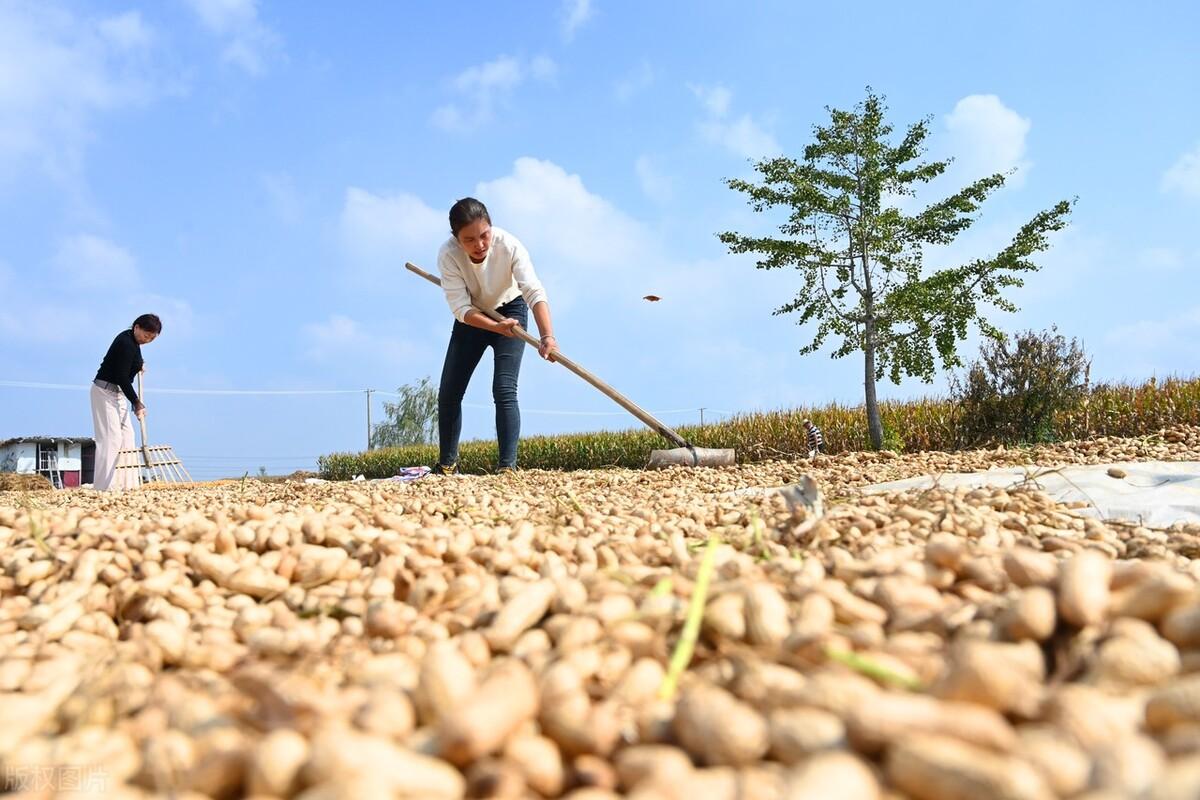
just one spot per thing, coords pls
(620, 399)
(142, 423)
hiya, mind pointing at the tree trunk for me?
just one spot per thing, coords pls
(874, 423)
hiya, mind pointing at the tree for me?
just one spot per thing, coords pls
(1017, 386)
(410, 420)
(862, 258)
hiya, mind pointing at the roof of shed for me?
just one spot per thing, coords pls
(47, 440)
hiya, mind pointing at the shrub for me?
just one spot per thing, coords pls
(1016, 389)
(892, 440)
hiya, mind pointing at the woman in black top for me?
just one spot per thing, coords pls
(112, 397)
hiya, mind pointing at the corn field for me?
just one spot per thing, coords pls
(915, 425)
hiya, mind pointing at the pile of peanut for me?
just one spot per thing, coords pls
(509, 636)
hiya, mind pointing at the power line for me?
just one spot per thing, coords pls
(299, 392)
(274, 458)
(27, 384)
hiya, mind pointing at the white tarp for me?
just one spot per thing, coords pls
(1153, 493)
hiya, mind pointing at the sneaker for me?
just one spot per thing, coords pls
(502, 470)
(442, 469)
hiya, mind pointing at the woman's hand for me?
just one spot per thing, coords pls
(507, 327)
(548, 347)
(140, 411)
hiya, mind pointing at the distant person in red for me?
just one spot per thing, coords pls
(112, 398)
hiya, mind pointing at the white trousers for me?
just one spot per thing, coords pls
(114, 432)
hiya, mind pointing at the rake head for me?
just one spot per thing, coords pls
(159, 460)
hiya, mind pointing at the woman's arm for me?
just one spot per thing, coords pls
(121, 360)
(541, 315)
(527, 280)
(535, 295)
(478, 319)
(454, 287)
(134, 401)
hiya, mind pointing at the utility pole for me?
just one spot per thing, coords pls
(702, 418)
(368, 391)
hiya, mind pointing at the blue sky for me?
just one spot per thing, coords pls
(257, 173)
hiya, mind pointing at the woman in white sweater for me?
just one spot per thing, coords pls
(485, 267)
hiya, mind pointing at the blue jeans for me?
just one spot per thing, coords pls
(467, 344)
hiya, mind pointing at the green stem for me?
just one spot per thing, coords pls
(686, 646)
(872, 669)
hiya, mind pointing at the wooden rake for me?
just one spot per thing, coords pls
(159, 460)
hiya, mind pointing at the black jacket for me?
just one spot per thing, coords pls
(122, 363)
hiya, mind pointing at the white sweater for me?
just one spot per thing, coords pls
(506, 272)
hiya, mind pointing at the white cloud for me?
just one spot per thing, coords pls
(556, 215)
(93, 285)
(657, 186)
(1184, 175)
(225, 16)
(575, 13)
(89, 262)
(340, 338)
(715, 99)
(743, 136)
(21, 320)
(590, 242)
(249, 44)
(488, 87)
(985, 137)
(57, 72)
(637, 81)
(1157, 334)
(127, 31)
(389, 229)
(503, 74)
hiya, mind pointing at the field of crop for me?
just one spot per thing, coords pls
(929, 424)
(671, 635)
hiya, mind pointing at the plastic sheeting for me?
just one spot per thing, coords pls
(1153, 493)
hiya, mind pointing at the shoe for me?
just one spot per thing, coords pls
(442, 469)
(502, 470)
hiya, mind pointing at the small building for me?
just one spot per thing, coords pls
(63, 460)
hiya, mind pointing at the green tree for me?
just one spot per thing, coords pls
(412, 419)
(862, 258)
